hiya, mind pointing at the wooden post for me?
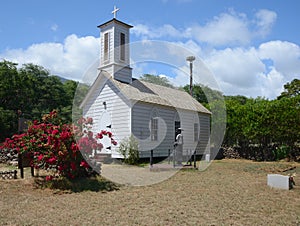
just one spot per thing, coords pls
(20, 165)
(15, 174)
(195, 156)
(190, 157)
(151, 158)
(174, 157)
(32, 171)
(169, 155)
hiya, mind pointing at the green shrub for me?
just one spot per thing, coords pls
(130, 151)
(281, 152)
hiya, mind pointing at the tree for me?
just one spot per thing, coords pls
(29, 92)
(235, 113)
(163, 81)
(204, 94)
(291, 89)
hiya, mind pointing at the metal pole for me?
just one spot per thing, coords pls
(195, 156)
(174, 157)
(151, 158)
(191, 59)
(191, 78)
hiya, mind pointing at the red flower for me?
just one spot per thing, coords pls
(89, 120)
(73, 166)
(114, 142)
(90, 134)
(99, 136)
(40, 157)
(99, 146)
(55, 145)
(54, 132)
(49, 178)
(52, 160)
(84, 164)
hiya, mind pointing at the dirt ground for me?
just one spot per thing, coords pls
(229, 192)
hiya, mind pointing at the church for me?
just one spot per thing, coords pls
(128, 107)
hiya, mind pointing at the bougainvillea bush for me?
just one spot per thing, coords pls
(62, 148)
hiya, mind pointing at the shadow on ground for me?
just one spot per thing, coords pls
(96, 184)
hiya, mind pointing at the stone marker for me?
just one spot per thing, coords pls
(278, 181)
(207, 157)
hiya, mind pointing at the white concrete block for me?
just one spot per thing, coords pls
(278, 181)
(207, 157)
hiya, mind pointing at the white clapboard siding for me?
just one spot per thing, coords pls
(142, 113)
(122, 73)
(117, 33)
(141, 117)
(116, 105)
(204, 135)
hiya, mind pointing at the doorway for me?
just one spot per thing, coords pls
(177, 126)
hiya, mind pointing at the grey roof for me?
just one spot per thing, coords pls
(114, 20)
(156, 94)
(150, 93)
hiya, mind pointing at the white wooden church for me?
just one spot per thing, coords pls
(127, 106)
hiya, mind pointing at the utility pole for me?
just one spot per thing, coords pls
(191, 59)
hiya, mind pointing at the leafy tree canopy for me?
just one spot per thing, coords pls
(291, 89)
(29, 92)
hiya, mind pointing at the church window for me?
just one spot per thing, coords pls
(154, 129)
(122, 46)
(106, 46)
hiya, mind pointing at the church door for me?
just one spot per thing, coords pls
(105, 124)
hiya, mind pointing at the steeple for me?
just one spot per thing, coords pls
(114, 49)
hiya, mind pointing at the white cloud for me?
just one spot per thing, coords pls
(264, 20)
(242, 71)
(225, 29)
(285, 57)
(237, 66)
(69, 59)
(230, 28)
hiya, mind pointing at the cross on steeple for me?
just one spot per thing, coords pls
(115, 11)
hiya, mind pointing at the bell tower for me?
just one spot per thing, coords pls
(114, 49)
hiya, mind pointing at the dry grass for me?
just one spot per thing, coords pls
(229, 192)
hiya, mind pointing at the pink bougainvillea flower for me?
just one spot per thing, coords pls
(52, 160)
(99, 146)
(40, 157)
(99, 136)
(73, 166)
(84, 164)
(89, 120)
(90, 134)
(50, 144)
(49, 178)
(109, 134)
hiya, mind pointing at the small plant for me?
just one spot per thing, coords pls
(281, 152)
(130, 151)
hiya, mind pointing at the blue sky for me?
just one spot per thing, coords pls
(251, 47)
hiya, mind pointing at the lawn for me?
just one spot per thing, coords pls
(229, 192)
